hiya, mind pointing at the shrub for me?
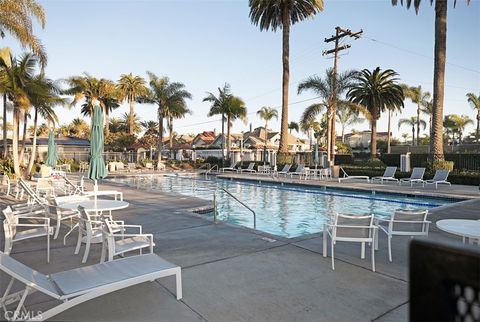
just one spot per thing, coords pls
(343, 148)
(442, 165)
(285, 158)
(341, 159)
(6, 167)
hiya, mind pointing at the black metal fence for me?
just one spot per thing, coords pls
(461, 161)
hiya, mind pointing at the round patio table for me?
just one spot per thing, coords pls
(466, 228)
(97, 206)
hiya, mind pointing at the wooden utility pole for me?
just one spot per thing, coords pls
(339, 34)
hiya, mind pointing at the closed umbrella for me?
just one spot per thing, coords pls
(96, 169)
(52, 151)
(264, 154)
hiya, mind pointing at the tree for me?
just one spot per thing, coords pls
(412, 121)
(131, 88)
(475, 102)
(440, 52)
(16, 19)
(79, 128)
(293, 126)
(427, 109)
(376, 90)
(280, 14)
(267, 113)
(327, 92)
(164, 94)
(459, 124)
(150, 127)
(174, 112)
(346, 117)
(127, 125)
(419, 97)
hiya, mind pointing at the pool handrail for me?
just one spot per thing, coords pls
(236, 199)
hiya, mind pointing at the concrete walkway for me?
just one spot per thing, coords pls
(236, 274)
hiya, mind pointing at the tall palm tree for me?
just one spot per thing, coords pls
(413, 122)
(150, 127)
(16, 81)
(460, 122)
(164, 94)
(293, 126)
(474, 100)
(427, 109)
(346, 117)
(450, 127)
(440, 53)
(79, 128)
(419, 97)
(16, 19)
(327, 92)
(131, 87)
(267, 113)
(311, 127)
(376, 90)
(175, 112)
(127, 126)
(280, 14)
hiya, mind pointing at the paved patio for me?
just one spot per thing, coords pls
(235, 274)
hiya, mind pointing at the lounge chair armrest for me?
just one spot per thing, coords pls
(353, 226)
(117, 235)
(412, 221)
(139, 227)
(30, 225)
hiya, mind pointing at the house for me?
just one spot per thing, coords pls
(361, 140)
(204, 139)
(235, 139)
(256, 139)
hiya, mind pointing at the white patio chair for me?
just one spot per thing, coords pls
(60, 215)
(440, 177)
(45, 187)
(250, 167)
(350, 228)
(117, 241)
(299, 171)
(89, 231)
(388, 175)
(403, 223)
(285, 170)
(14, 232)
(232, 167)
(347, 177)
(73, 188)
(5, 184)
(415, 177)
(79, 285)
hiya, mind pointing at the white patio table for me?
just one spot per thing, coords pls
(97, 206)
(466, 228)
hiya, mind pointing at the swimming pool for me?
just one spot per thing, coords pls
(283, 210)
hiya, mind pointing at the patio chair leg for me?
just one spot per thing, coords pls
(57, 229)
(324, 242)
(87, 250)
(79, 241)
(48, 245)
(390, 248)
(373, 260)
(333, 259)
(8, 246)
(362, 255)
(376, 239)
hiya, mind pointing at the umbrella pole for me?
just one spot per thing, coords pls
(95, 190)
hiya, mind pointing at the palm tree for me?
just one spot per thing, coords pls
(376, 90)
(267, 113)
(313, 128)
(460, 122)
(280, 14)
(150, 127)
(5, 56)
(412, 121)
(440, 52)
(475, 102)
(127, 126)
(131, 87)
(419, 97)
(16, 19)
(327, 92)
(79, 128)
(16, 82)
(427, 109)
(164, 94)
(293, 126)
(176, 111)
(346, 117)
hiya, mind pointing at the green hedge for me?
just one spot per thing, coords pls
(461, 161)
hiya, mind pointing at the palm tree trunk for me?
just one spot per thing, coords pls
(160, 134)
(389, 137)
(170, 133)
(132, 114)
(34, 143)
(223, 139)
(413, 135)
(283, 148)
(24, 138)
(430, 125)
(478, 127)
(343, 133)
(266, 133)
(107, 122)
(436, 142)
(418, 124)
(16, 166)
(228, 136)
(329, 136)
(5, 147)
(333, 137)
(373, 140)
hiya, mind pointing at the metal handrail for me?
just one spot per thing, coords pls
(236, 199)
(210, 170)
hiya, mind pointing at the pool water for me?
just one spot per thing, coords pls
(283, 210)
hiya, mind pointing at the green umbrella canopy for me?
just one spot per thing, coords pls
(52, 151)
(96, 169)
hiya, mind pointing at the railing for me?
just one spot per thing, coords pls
(234, 198)
(210, 170)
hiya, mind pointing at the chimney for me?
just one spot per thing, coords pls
(251, 128)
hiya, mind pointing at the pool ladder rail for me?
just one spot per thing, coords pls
(209, 168)
(237, 200)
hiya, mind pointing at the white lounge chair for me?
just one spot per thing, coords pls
(13, 225)
(299, 171)
(350, 228)
(285, 170)
(250, 167)
(116, 240)
(73, 188)
(403, 223)
(415, 177)
(388, 175)
(440, 177)
(232, 167)
(79, 285)
(347, 177)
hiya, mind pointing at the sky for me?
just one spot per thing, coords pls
(205, 44)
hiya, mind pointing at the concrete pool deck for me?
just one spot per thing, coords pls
(235, 274)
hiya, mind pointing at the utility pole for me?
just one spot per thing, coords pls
(339, 34)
